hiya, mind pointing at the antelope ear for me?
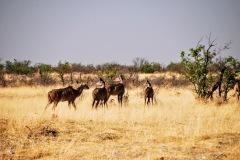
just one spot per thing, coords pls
(121, 76)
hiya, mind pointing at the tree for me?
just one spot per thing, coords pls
(90, 68)
(108, 70)
(199, 69)
(146, 68)
(46, 69)
(19, 67)
(62, 69)
(156, 66)
(228, 68)
(1, 66)
(43, 75)
(175, 67)
(2, 72)
(138, 62)
(143, 65)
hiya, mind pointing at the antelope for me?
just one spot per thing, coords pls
(237, 90)
(214, 88)
(117, 89)
(100, 94)
(148, 93)
(65, 94)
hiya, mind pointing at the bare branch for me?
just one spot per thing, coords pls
(199, 42)
(227, 46)
(211, 43)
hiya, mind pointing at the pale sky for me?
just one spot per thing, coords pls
(106, 31)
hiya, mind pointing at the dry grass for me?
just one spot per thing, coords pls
(176, 127)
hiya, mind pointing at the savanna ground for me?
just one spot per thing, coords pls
(176, 127)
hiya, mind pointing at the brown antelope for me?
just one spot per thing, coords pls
(65, 94)
(237, 90)
(100, 94)
(214, 88)
(117, 89)
(148, 93)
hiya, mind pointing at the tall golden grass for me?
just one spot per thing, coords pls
(176, 127)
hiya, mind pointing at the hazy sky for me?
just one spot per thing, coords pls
(99, 31)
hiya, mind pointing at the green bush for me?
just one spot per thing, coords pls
(202, 62)
(150, 68)
(19, 67)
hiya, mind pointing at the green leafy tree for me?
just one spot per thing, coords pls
(156, 66)
(62, 69)
(199, 69)
(46, 69)
(108, 70)
(90, 68)
(2, 73)
(19, 67)
(43, 74)
(78, 67)
(1, 66)
(175, 67)
(150, 67)
(147, 68)
(228, 68)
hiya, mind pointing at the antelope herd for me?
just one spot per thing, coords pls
(102, 93)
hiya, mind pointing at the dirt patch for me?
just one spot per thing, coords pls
(44, 131)
(108, 135)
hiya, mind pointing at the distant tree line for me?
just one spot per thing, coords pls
(25, 67)
(41, 72)
(108, 70)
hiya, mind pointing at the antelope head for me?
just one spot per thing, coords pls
(100, 84)
(148, 84)
(119, 79)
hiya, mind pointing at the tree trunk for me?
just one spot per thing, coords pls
(62, 79)
(220, 81)
(225, 93)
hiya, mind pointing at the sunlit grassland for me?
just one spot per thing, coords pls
(176, 127)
